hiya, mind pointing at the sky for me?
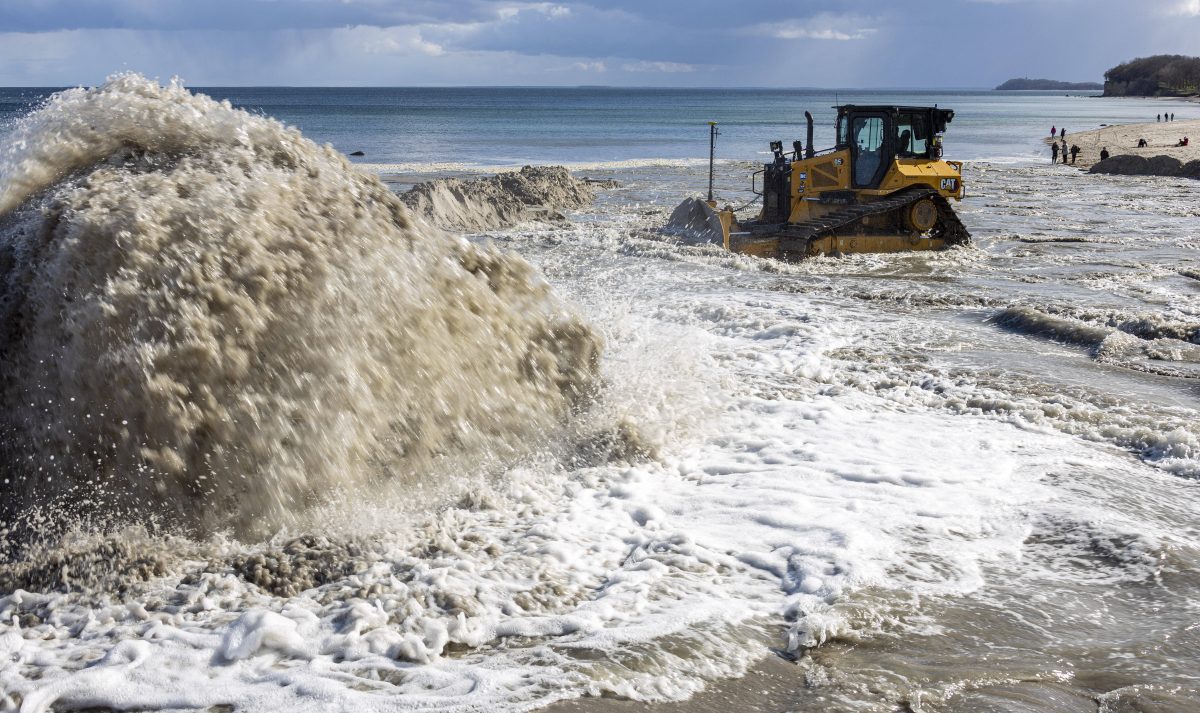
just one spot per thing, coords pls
(761, 43)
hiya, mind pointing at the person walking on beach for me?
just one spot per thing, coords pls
(1062, 133)
(1104, 154)
(1064, 150)
(1074, 153)
(1053, 152)
(1053, 131)
(1172, 116)
(1157, 118)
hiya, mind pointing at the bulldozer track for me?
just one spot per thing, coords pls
(794, 238)
(949, 227)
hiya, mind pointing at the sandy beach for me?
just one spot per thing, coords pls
(1122, 139)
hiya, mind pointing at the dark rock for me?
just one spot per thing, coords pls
(357, 153)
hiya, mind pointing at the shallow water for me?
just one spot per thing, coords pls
(949, 482)
(1074, 583)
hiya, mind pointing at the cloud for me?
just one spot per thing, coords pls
(783, 43)
(668, 67)
(242, 15)
(1187, 8)
(825, 26)
(397, 40)
(824, 33)
(509, 11)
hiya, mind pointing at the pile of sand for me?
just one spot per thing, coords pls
(694, 222)
(500, 201)
(1130, 165)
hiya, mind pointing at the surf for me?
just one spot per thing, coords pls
(210, 318)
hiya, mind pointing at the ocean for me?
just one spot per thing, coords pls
(515, 126)
(269, 445)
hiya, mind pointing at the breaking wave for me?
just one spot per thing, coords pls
(1151, 344)
(205, 313)
(1033, 322)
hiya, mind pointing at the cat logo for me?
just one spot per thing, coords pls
(949, 184)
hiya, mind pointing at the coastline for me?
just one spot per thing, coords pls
(1190, 99)
(1121, 140)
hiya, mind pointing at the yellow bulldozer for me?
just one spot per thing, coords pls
(883, 188)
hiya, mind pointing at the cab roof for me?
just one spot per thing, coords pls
(941, 117)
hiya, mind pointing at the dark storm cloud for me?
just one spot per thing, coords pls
(234, 15)
(873, 43)
(664, 31)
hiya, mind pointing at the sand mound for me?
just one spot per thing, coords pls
(1124, 165)
(694, 222)
(1128, 165)
(1191, 169)
(500, 201)
(204, 315)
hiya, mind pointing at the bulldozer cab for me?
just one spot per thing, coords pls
(876, 135)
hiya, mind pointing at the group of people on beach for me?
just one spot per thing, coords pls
(1073, 152)
(1054, 150)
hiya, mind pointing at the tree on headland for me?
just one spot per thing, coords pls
(1157, 76)
(1026, 83)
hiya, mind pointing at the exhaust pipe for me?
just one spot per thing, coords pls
(808, 151)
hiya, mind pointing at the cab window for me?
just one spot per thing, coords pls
(867, 145)
(912, 135)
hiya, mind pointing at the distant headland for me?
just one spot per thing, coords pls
(1029, 84)
(1163, 75)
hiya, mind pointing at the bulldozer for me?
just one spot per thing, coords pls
(882, 188)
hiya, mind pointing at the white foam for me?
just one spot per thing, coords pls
(762, 522)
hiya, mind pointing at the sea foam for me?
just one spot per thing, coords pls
(208, 317)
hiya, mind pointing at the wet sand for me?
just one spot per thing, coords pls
(771, 686)
(1122, 139)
